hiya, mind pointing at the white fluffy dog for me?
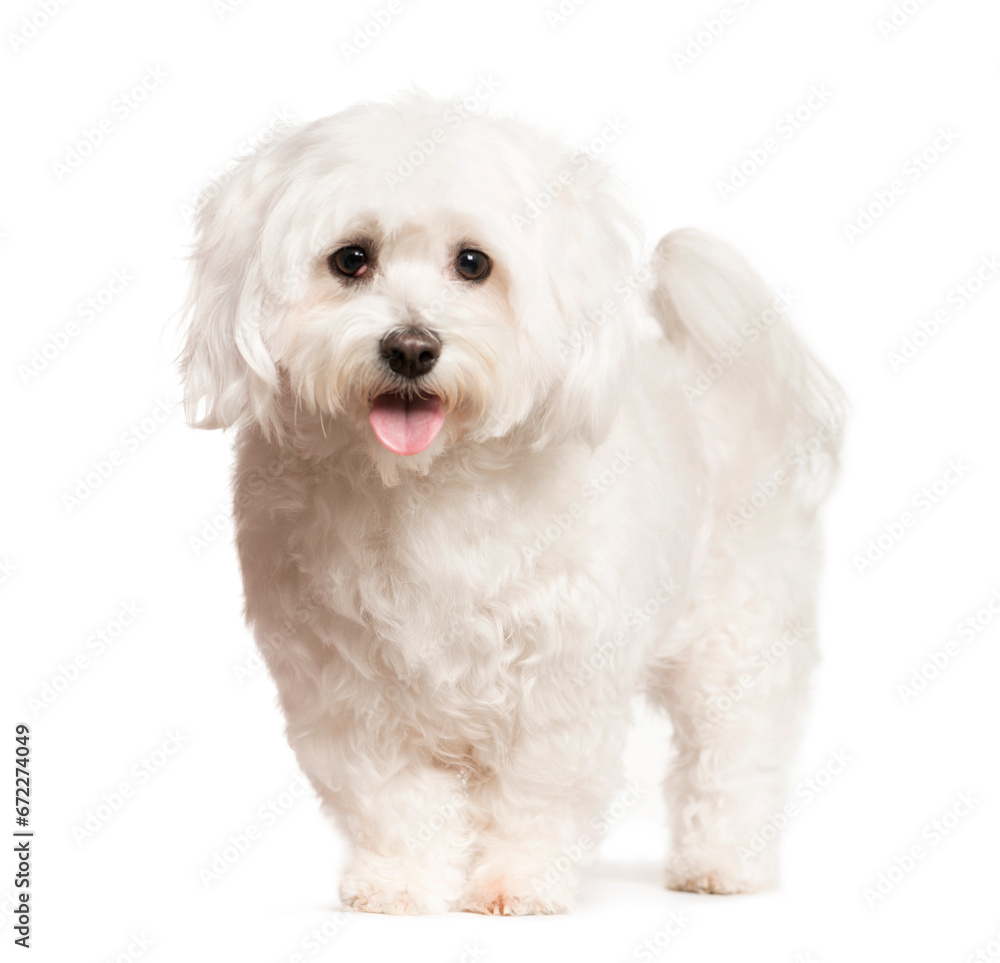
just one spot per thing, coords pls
(495, 476)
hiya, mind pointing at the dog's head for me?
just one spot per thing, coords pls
(410, 277)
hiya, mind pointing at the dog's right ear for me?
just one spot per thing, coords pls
(229, 376)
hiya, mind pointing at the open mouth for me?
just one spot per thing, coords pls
(406, 425)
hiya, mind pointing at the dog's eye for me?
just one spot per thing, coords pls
(472, 265)
(350, 261)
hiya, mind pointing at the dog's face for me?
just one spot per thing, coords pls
(412, 277)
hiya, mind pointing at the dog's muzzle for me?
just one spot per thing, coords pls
(406, 422)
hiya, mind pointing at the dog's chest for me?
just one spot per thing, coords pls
(438, 590)
(464, 598)
(432, 575)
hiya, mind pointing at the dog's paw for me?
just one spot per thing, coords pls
(709, 882)
(511, 894)
(720, 876)
(503, 901)
(379, 886)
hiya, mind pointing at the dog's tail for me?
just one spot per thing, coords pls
(773, 406)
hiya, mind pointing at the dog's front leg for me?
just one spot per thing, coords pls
(406, 818)
(536, 817)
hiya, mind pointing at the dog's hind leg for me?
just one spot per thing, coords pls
(735, 694)
(733, 670)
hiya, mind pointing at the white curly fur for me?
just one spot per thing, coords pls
(456, 635)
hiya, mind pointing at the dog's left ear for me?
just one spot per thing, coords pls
(592, 244)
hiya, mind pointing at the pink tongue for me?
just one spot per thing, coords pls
(406, 427)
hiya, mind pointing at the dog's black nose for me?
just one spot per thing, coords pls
(410, 352)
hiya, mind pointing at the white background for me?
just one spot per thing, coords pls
(181, 668)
